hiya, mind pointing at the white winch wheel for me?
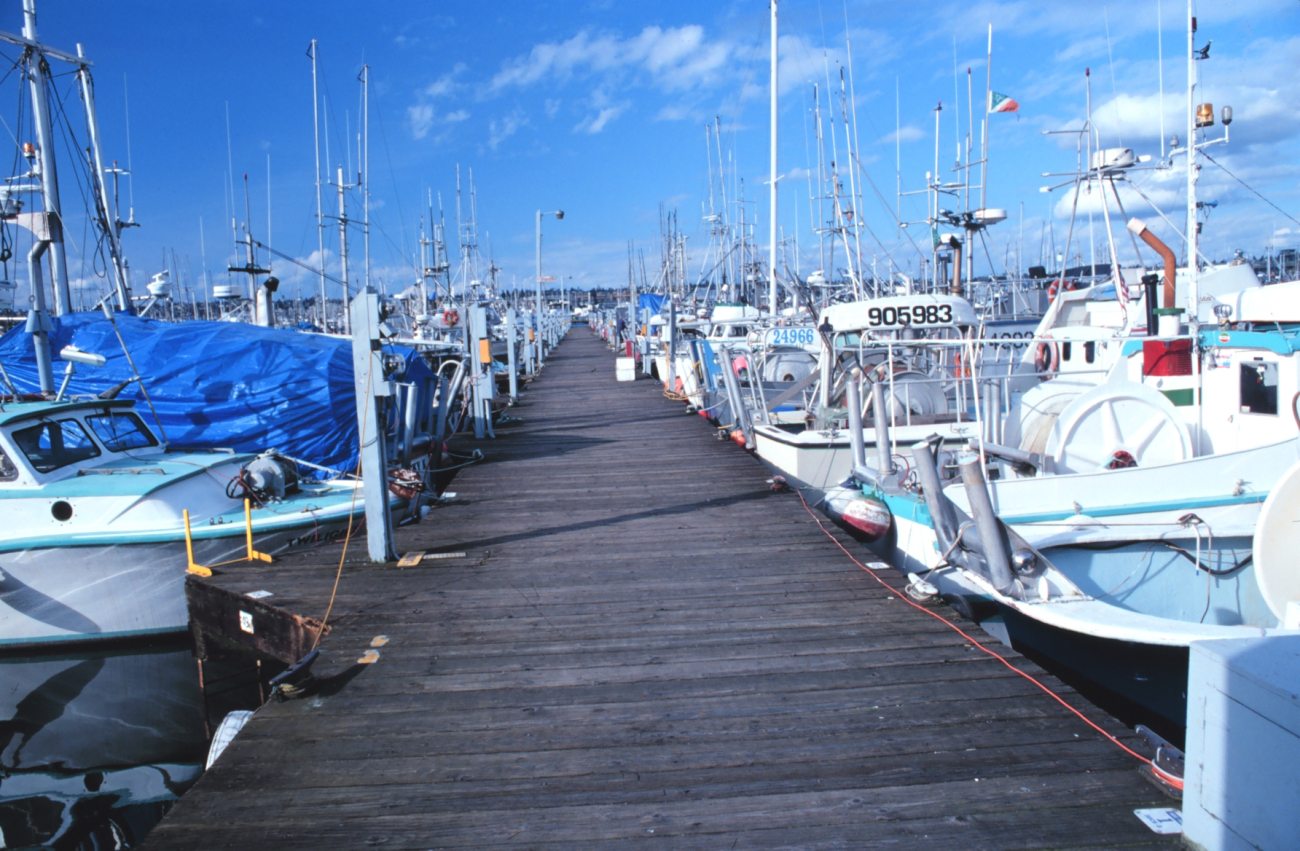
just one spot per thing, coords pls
(1118, 424)
(1277, 540)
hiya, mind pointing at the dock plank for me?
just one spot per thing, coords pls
(644, 643)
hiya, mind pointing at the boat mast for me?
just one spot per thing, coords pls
(364, 177)
(1193, 171)
(37, 74)
(320, 217)
(771, 251)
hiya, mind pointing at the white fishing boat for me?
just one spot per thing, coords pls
(99, 515)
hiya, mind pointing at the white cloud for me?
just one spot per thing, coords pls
(596, 123)
(501, 129)
(676, 58)
(910, 133)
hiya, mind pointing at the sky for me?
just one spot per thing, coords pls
(600, 108)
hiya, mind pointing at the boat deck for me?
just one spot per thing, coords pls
(645, 644)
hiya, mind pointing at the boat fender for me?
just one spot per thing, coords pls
(1047, 359)
(869, 515)
(405, 484)
(740, 366)
(738, 437)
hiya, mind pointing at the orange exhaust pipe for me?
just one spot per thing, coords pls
(1140, 228)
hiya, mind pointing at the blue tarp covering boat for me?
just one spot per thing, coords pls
(216, 384)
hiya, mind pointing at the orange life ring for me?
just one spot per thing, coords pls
(1059, 285)
(450, 317)
(1047, 359)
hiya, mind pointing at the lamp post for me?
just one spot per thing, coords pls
(559, 214)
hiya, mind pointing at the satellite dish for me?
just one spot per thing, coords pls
(1277, 541)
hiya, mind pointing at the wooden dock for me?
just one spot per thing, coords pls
(644, 643)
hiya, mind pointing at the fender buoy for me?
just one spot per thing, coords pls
(962, 371)
(405, 484)
(450, 317)
(740, 366)
(1047, 359)
(738, 438)
(869, 515)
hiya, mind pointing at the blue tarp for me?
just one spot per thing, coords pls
(651, 301)
(216, 384)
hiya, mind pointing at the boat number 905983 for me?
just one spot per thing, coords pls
(920, 314)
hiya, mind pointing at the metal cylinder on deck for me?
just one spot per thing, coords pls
(884, 451)
(986, 522)
(854, 400)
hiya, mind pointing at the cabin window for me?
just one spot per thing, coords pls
(1065, 351)
(1089, 351)
(121, 431)
(8, 472)
(52, 445)
(1258, 387)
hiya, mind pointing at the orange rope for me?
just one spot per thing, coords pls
(992, 653)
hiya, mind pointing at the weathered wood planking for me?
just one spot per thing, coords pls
(643, 644)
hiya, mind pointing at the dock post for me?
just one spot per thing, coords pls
(669, 383)
(854, 400)
(480, 359)
(511, 322)
(373, 389)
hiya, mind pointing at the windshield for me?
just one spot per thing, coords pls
(121, 431)
(52, 445)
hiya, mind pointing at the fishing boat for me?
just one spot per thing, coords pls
(103, 520)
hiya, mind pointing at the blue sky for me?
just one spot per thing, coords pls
(599, 109)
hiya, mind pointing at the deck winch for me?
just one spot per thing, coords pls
(268, 477)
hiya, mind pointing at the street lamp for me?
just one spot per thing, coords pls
(559, 214)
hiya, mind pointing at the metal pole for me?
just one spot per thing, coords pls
(114, 236)
(856, 442)
(986, 521)
(771, 253)
(38, 321)
(343, 240)
(365, 157)
(36, 74)
(884, 449)
(320, 217)
(539, 264)
(512, 323)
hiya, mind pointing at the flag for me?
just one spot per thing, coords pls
(1002, 103)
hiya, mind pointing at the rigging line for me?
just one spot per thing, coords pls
(892, 214)
(392, 173)
(1248, 186)
(977, 644)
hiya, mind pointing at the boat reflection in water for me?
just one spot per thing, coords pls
(95, 747)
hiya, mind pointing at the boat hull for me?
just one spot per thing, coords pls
(94, 593)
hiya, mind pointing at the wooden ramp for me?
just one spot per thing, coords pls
(644, 644)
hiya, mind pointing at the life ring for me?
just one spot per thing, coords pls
(450, 317)
(1047, 359)
(1059, 285)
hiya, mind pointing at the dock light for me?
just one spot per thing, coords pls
(559, 214)
(1226, 115)
(75, 355)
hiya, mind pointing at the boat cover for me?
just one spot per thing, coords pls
(217, 384)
